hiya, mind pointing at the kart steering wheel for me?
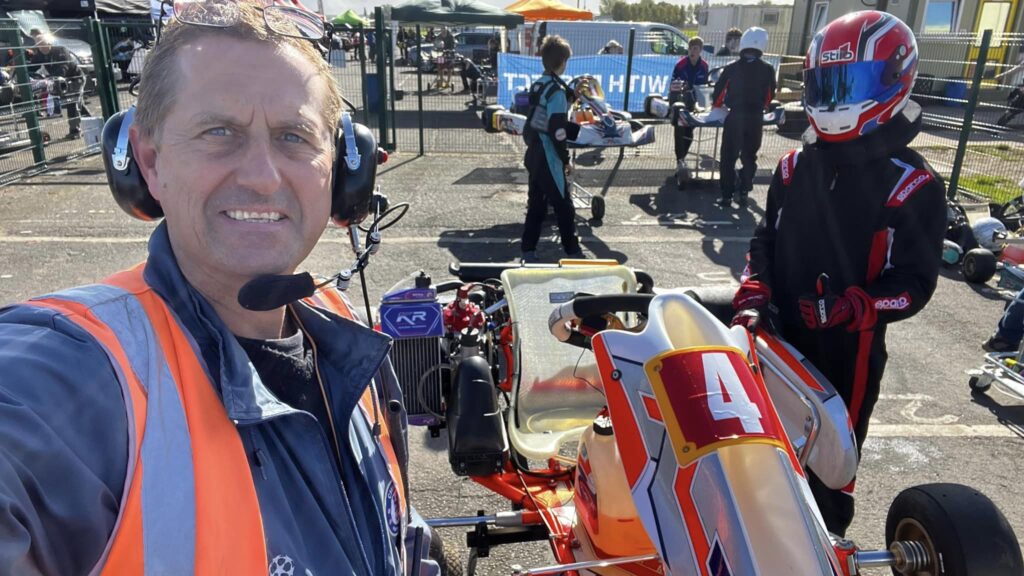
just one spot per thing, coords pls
(582, 309)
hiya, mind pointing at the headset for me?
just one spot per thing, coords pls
(353, 175)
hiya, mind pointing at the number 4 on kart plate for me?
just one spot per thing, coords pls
(716, 398)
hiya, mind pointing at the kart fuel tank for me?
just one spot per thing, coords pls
(603, 502)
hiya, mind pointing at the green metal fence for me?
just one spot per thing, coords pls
(963, 84)
(36, 115)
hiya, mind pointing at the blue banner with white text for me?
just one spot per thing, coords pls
(650, 75)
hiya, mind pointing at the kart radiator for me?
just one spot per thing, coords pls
(417, 359)
(413, 318)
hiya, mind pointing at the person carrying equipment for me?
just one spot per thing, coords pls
(691, 71)
(546, 133)
(851, 238)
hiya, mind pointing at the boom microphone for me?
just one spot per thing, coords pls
(270, 292)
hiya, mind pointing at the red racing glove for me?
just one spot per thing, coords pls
(750, 300)
(828, 310)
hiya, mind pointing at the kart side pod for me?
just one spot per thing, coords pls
(477, 445)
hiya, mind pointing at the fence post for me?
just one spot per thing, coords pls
(27, 99)
(629, 80)
(972, 104)
(362, 73)
(391, 90)
(382, 80)
(419, 82)
(105, 87)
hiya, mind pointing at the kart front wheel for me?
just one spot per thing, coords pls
(979, 265)
(977, 386)
(961, 532)
(597, 208)
(447, 559)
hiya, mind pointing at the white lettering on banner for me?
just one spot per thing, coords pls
(650, 74)
(657, 85)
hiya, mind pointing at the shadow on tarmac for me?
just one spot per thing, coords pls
(1010, 416)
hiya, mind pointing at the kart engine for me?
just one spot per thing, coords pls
(446, 365)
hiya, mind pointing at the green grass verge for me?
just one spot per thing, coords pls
(996, 188)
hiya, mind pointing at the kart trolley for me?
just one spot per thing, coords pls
(1005, 369)
(706, 120)
(600, 127)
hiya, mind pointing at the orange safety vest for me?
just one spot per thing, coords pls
(189, 504)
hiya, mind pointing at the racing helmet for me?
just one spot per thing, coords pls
(858, 74)
(754, 39)
(990, 233)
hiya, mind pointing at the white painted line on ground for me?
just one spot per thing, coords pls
(645, 239)
(941, 431)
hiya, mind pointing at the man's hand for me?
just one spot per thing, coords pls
(750, 301)
(828, 310)
(569, 169)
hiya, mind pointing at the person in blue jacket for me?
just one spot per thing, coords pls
(240, 161)
(547, 133)
(690, 72)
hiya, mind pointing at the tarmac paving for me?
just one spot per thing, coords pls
(62, 229)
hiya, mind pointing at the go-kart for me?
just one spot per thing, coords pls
(675, 109)
(600, 125)
(637, 433)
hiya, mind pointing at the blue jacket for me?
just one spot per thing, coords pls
(693, 74)
(64, 441)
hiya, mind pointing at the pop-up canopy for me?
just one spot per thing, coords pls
(453, 13)
(548, 10)
(349, 19)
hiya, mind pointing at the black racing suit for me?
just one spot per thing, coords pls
(745, 87)
(871, 213)
(547, 154)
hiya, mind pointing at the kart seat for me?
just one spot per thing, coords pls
(556, 387)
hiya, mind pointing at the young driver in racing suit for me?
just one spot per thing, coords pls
(547, 154)
(854, 203)
(745, 87)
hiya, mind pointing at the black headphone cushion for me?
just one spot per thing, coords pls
(127, 184)
(353, 189)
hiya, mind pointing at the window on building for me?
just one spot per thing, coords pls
(994, 16)
(770, 18)
(820, 18)
(940, 17)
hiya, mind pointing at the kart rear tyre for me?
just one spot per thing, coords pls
(449, 560)
(958, 525)
(597, 208)
(979, 265)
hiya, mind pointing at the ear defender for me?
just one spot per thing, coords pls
(353, 178)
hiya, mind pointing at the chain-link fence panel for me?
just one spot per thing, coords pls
(47, 89)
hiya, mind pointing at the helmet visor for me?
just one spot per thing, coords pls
(850, 83)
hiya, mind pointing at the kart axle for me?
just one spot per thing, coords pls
(500, 519)
(562, 568)
(905, 557)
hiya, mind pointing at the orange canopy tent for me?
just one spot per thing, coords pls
(548, 10)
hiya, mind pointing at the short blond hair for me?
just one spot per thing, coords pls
(161, 73)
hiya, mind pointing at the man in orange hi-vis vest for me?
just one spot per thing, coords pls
(151, 424)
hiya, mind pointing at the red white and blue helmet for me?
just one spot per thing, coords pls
(858, 74)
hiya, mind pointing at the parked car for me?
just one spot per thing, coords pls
(30, 20)
(472, 45)
(589, 37)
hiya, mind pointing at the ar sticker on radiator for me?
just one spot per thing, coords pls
(560, 297)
